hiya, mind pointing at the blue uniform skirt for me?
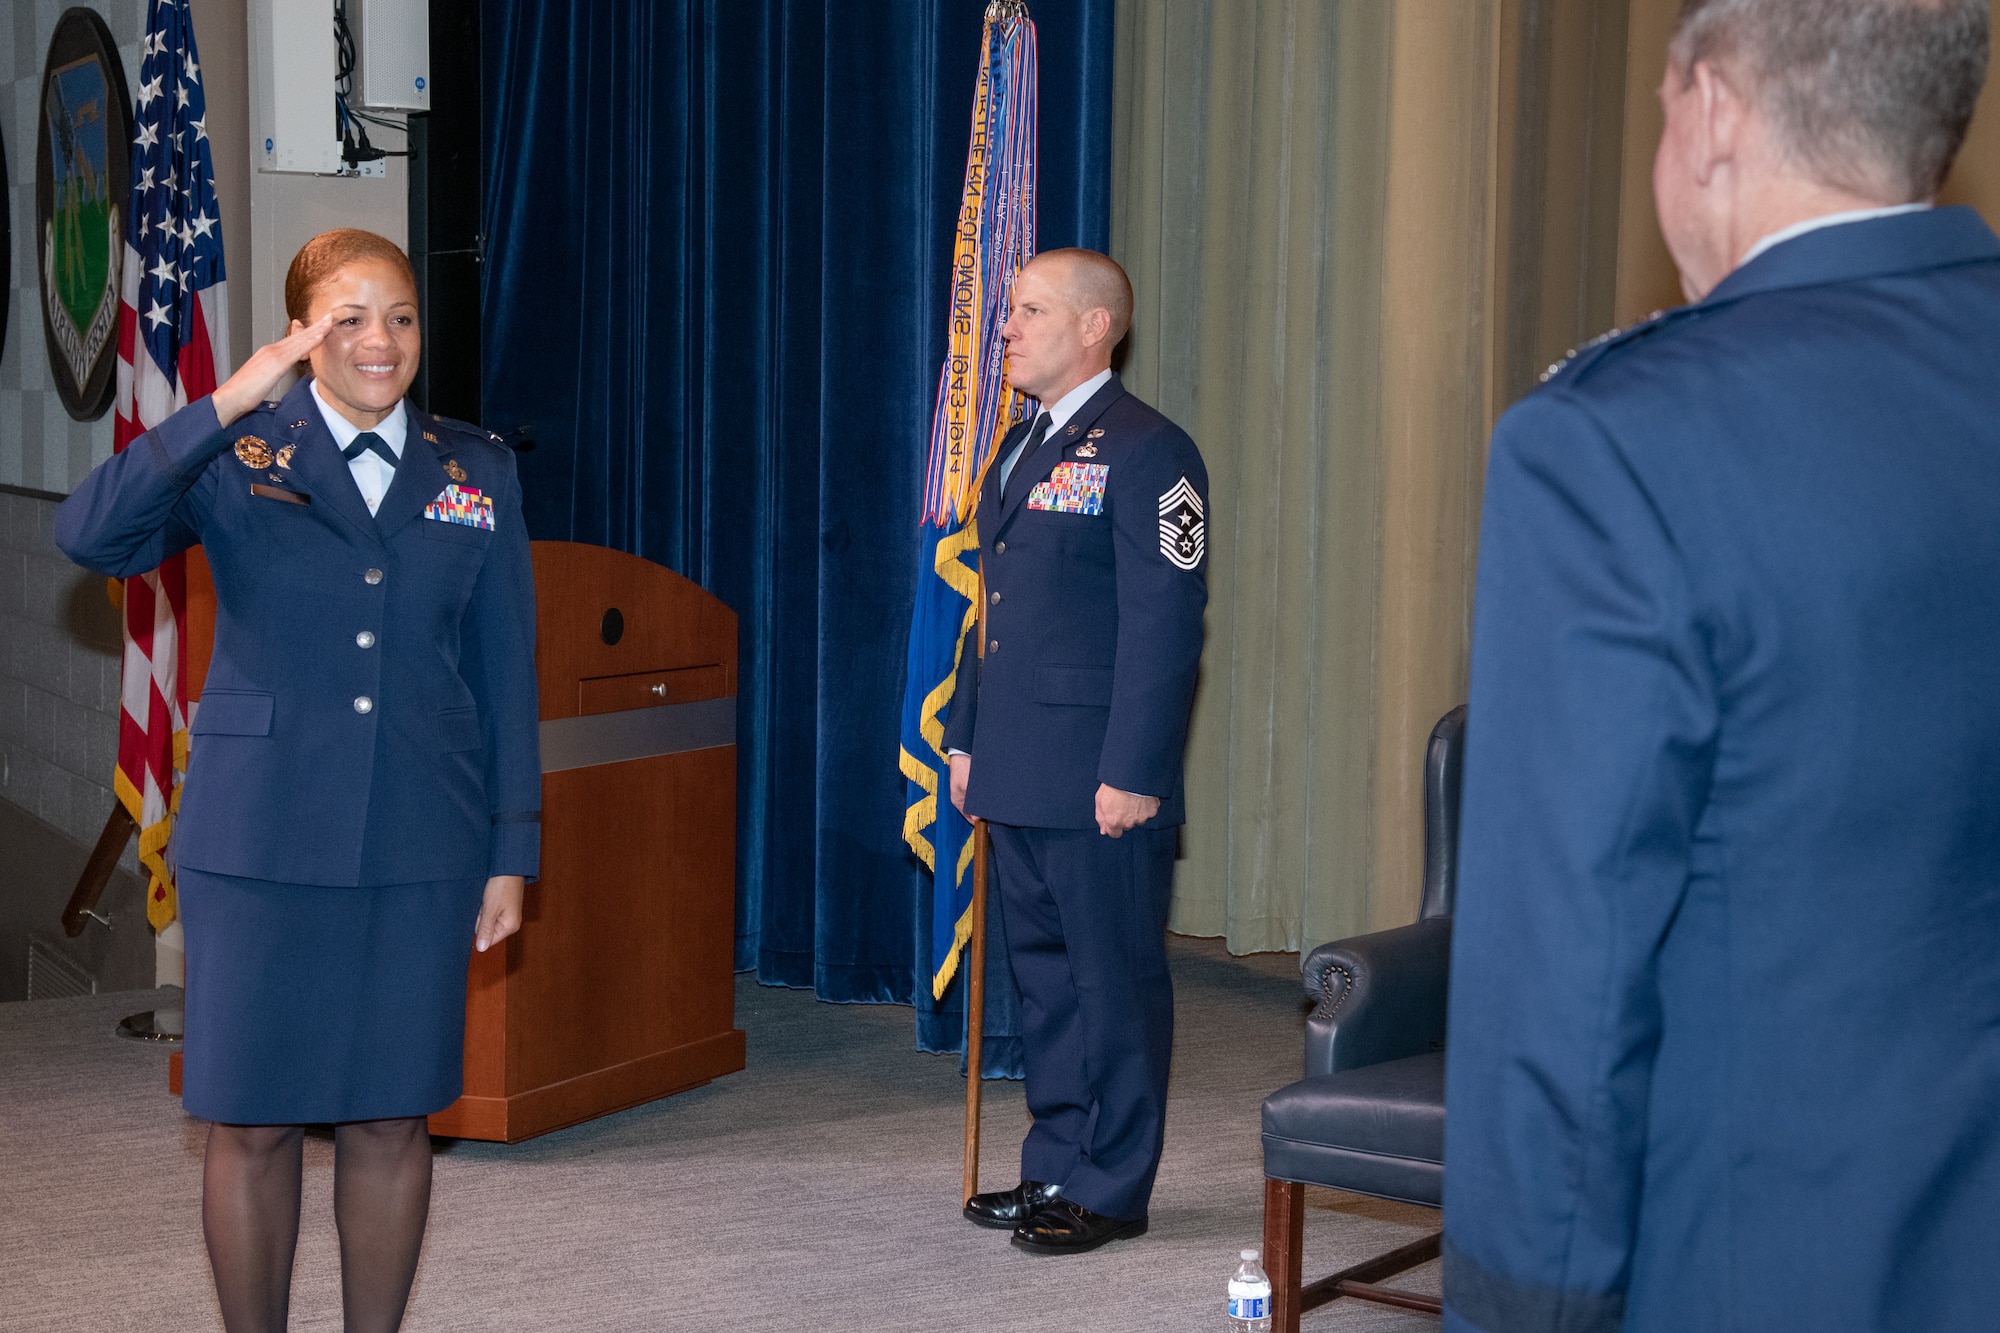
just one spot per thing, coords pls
(308, 1004)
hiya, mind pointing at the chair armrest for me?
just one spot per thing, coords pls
(1377, 997)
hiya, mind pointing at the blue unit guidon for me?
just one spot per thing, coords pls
(1073, 488)
(462, 504)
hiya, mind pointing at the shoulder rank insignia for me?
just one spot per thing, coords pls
(285, 455)
(1073, 488)
(1600, 340)
(451, 467)
(253, 452)
(1183, 529)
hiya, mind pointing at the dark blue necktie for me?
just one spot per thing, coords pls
(1024, 450)
(369, 442)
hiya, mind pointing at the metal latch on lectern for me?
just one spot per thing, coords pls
(650, 689)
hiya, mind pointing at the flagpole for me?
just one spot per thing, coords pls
(178, 352)
(975, 962)
(975, 407)
(975, 1000)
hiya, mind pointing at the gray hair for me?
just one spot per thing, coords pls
(1871, 96)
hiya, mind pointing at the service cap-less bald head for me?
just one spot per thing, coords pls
(1779, 111)
(1071, 307)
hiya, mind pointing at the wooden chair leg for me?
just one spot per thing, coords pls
(1284, 1236)
(1362, 1280)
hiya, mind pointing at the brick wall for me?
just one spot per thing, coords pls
(59, 670)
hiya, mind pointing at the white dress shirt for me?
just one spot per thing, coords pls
(371, 474)
(1058, 414)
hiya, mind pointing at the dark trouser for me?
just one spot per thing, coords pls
(1086, 920)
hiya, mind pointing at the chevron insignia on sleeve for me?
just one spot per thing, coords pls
(1183, 530)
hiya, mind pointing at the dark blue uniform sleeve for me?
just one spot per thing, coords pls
(964, 712)
(1589, 744)
(1159, 539)
(148, 502)
(497, 662)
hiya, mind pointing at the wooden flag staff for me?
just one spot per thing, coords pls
(975, 961)
(975, 1014)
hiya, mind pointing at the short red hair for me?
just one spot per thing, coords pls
(328, 253)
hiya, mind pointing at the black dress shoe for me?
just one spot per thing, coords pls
(1067, 1227)
(1007, 1209)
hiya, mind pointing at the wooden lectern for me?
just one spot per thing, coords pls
(619, 987)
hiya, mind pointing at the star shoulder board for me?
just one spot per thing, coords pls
(1183, 526)
(454, 426)
(1578, 359)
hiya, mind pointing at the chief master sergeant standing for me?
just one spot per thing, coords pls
(1093, 545)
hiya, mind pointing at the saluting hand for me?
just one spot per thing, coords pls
(255, 378)
(1120, 810)
(500, 914)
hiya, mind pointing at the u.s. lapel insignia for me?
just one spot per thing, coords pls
(300, 424)
(1071, 431)
(1086, 451)
(432, 438)
(253, 452)
(451, 467)
(285, 455)
(1183, 528)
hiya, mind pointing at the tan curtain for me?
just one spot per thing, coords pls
(1333, 299)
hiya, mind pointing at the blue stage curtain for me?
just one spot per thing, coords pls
(717, 241)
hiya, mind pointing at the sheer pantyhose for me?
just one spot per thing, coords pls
(250, 1216)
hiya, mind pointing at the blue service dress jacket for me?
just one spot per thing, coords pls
(370, 712)
(1725, 1001)
(1096, 579)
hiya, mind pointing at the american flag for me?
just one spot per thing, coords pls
(173, 346)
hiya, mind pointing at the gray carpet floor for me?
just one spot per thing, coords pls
(816, 1190)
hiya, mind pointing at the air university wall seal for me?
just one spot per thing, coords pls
(82, 185)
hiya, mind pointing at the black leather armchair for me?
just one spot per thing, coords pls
(1369, 1114)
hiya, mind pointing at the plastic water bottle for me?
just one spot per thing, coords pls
(1249, 1296)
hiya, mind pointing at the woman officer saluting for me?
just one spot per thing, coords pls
(363, 792)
